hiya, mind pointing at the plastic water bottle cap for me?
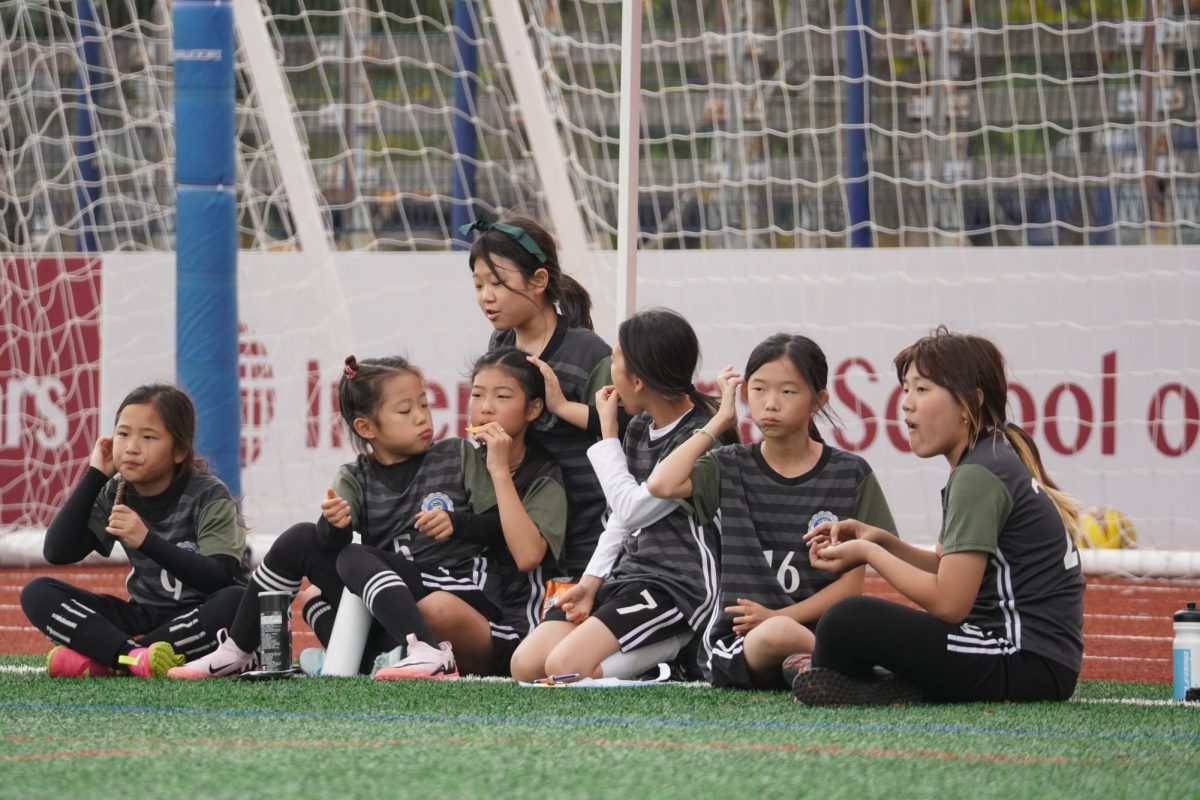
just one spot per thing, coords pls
(1189, 614)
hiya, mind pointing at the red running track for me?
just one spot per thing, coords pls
(1127, 624)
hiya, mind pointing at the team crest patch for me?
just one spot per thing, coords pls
(821, 516)
(435, 501)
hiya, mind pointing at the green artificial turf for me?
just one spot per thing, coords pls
(347, 738)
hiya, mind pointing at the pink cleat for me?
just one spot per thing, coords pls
(227, 659)
(152, 661)
(63, 662)
(422, 662)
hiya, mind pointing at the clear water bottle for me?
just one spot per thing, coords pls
(1186, 661)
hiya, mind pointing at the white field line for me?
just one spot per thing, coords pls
(1135, 588)
(1127, 638)
(21, 669)
(1133, 701)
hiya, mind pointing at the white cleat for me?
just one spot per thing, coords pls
(422, 662)
(228, 659)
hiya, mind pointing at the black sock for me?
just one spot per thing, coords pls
(391, 602)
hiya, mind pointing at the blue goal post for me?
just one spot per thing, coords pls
(206, 321)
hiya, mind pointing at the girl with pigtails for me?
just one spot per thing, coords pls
(430, 521)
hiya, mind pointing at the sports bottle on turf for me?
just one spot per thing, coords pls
(275, 628)
(1186, 660)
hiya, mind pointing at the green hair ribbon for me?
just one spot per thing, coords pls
(519, 235)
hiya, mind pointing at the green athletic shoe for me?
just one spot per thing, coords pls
(154, 661)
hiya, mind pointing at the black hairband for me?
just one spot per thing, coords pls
(518, 234)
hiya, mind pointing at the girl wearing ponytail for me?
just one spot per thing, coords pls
(664, 583)
(1000, 597)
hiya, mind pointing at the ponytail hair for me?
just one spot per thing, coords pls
(568, 295)
(1068, 507)
(660, 347)
(360, 390)
(808, 359)
(972, 369)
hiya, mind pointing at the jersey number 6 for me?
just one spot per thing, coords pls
(787, 574)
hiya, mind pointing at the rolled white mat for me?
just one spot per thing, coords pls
(349, 636)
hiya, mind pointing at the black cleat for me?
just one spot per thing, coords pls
(825, 687)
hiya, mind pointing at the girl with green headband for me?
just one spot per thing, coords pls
(532, 304)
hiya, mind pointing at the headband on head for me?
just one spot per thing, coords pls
(517, 234)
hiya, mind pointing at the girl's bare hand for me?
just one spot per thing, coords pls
(555, 399)
(435, 524)
(498, 443)
(728, 382)
(335, 510)
(126, 525)
(102, 456)
(838, 558)
(607, 402)
(748, 615)
(577, 602)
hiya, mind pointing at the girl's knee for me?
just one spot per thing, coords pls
(347, 559)
(302, 533)
(442, 610)
(844, 614)
(37, 593)
(528, 662)
(36, 586)
(563, 661)
(780, 635)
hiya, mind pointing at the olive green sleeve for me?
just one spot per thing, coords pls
(546, 503)
(478, 481)
(977, 505)
(348, 488)
(871, 507)
(600, 377)
(706, 488)
(218, 532)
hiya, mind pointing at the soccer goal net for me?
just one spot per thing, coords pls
(1024, 170)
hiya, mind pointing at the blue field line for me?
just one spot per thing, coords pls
(578, 722)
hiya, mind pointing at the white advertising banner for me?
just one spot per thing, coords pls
(1102, 344)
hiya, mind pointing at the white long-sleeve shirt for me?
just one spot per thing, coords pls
(631, 506)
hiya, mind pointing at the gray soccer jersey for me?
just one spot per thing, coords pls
(582, 361)
(451, 477)
(204, 520)
(677, 552)
(1031, 596)
(763, 519)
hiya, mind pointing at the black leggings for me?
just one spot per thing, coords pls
(860, 633)
(103, 627)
